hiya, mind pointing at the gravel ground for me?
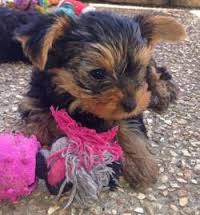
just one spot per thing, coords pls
(174, 137)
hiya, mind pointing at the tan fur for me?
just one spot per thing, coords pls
(64, 82)
(54, 32)
(166, 29)
(143, 56)
(43, 126)
(140, 168)
(108, 104)
(28, 104)
(101, 56)
(39, 123)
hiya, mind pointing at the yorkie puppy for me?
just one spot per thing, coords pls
(99, 68)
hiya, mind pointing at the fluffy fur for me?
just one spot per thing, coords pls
(99, 68)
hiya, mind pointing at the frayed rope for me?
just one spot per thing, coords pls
(87, 155)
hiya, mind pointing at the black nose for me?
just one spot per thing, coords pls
(128, 104)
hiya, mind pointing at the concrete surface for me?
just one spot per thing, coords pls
(174, 137)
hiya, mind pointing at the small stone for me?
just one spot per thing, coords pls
(168, 122)
(165, 193)
(182, 121)
(194, 181)
(114, 212)
(181, 180)
(162, 187)
(149, 121)
(183, 201)
(19, 96)
(126, 214)
(186, 153)
(180, 174)
(141, 196)
(14, 108)
(162, 140)
(151, 197)
(174, 208)
(187, 174)
(174, 185)
(161, 170)
(164, 179)
(171, 189)
(173, 160)
(197, 169)
(139, 210)
(195, 143)
(173, 154)
(51, 210)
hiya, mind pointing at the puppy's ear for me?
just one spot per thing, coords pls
(38, 38)
(160, 28)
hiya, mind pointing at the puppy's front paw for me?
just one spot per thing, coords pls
(140, 172)
(140, 168)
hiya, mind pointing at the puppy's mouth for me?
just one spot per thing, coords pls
(112, 107)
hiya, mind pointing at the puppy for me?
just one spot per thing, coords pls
(99, 68)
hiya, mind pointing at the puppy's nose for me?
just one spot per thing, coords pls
(128, 104)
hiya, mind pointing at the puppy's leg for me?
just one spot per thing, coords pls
(139, 167)
(164, 91)
(39, 122)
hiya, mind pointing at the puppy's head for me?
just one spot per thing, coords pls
(99, 58)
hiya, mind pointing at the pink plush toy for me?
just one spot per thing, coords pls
(17, 166)
(83, 161)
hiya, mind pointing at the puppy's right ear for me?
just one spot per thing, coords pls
(39, 37)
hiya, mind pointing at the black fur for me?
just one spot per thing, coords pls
(10, 21)
(72, 54)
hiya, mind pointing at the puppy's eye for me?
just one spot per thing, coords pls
(98, 74)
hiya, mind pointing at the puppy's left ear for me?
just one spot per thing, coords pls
(161, 29)
(39, 37)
